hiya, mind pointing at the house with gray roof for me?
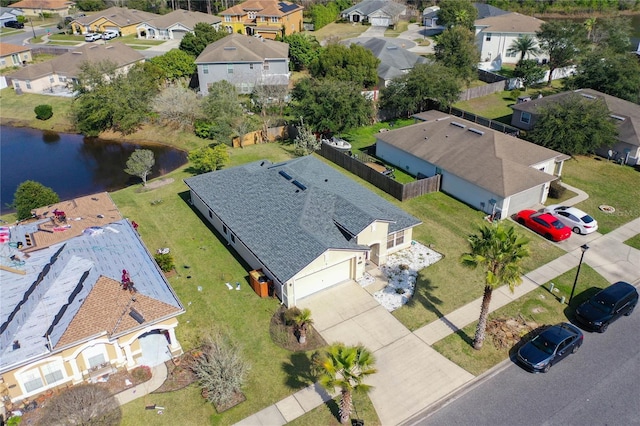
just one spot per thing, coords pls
(9, 14)
(489, 170)
(379, 13)
(245, 62)
(395, 61)
(304, 224)
(81, 297)
(175, 25)
(625, 114)
(57, 76)
(119, 19)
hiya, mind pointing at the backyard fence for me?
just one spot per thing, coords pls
(483, 121)
(357, 165)
(252, 138)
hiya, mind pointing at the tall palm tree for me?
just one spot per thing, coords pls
(525, 46)
(499, 250)
(345, 367)
(590, 25)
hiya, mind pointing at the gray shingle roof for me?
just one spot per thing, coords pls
(367, 7)
(188, 19)
(486, 10)
(285, 226)
(395, 61)
(241, 48)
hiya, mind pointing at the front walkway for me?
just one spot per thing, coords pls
(158, 376)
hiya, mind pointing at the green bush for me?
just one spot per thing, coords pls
(31, 195)
(290, 315)
(165, 261)
(43, 112)
(556, 190)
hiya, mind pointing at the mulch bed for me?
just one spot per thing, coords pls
(283, 335)
(180, 374)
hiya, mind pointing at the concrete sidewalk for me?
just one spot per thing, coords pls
(158, 376)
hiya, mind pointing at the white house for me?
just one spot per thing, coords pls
(379, 13)
(175, 25)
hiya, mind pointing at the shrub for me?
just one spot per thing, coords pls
(290, 315)
(165, 261)
(43, 112)
(556, 190)
(31, 195)
(141, 374)
(83, 404)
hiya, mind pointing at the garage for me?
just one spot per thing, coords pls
(154, 346)
(379, 21)
(525, 200)
(325, 278)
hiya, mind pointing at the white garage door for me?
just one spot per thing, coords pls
(525, 200)
(322, 279)
(380, 22)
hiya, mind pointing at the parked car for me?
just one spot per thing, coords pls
(544, 224)
(14, 24)
(606, 306)
(550, 347)
(92, 37)
(108, 35)
(576, 219)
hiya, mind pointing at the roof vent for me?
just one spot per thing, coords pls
(16, 344)
(455, 123)
(136, 316)
(229, 48)
(392, 47)
(285, 175)
(299, 185)
(584, 95)
(476, 131)
(617, 117)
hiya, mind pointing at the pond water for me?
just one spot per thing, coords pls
(71, 165)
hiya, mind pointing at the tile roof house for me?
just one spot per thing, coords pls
(379, 13)
(81, 297)
(120, 19)
(245, 62)
(264, 18)
(495, 35)
(395, 61)
(175, 25)
(489, 170)
(12, 55)
(57, 75)
(305, 224)
(38, 7)
(625, 114)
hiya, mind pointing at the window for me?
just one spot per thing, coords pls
(227, 18)
(229, 68)
(28, 83)
(265, 66)
(274, 19)
(252, 15)
(205, 69)
(525, 117)
(488, 37)
(250, 66)
(233, 238)
(224, 229)
(210, 214)
(52, 372)
(96, 360)
(52, 79)
(31, 380)
(16, 59)
(3, 62)
(395, 239)
(511, 54)
(62, 79)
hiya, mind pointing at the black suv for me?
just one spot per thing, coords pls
(607, 305)
(14, 24)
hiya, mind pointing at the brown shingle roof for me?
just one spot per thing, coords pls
(42, 4)
(184, 17)
(241, 48)
(491, 160)
(121, 16)
(107, 308)
(8, 49)
(510, 23)
(263, 8)
(69, 64)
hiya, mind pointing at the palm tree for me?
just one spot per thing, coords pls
(345, 367)
(499, 250)
(590, 25)
(303, 324)
(525, 46)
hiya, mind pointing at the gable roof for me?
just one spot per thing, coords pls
(69, 63)
(367, 7)
(9, 49)
(489, 159)
(628, 127)
(10, 10)
(121, 16)
(290, 213)
(241, 48)
(43, 4)
(510, 23)
(394, 59)
(277, 8)
(187, 19)
(486, 10)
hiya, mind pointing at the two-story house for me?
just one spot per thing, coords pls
(265, 18)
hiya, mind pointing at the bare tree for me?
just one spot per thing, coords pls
(84, 404)
(178, 105)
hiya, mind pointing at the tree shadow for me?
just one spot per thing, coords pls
(578, 299)
(513, 351)
(298, 370)
(463, 335)
(423, 294)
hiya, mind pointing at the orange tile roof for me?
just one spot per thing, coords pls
(107, 308)
(8, 49)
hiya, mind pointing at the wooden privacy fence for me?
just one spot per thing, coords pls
(397, 190)
(252, 138)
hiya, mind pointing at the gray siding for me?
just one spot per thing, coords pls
(244, 75)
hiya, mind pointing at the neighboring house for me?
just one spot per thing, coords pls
(379, 13)
(120, 19)
(66, 316)
(58, 75)
(175, 25)
(12, 55)
(245, 62)
(430, 16)
(625, 114)
(265, 18)
(486, 10)
(395, 61)
(9, 14)
(38, 7)
(305, 224)
(495, 35)
(486, 169)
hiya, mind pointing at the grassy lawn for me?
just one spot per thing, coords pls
(539, 306)
(132, 39)
(606, 183)
(327, 414)
(395, 32)
(339, 31)
(634, 242)
(18, 110)
(565, 196)
(67, 37)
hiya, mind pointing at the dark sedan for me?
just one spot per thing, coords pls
(14, 24)
(607, 306)
(550, 347)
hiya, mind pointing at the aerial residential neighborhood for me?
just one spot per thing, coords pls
(271, 212)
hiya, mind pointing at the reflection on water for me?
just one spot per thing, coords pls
(71, 165)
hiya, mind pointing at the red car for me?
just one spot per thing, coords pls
(544, 224)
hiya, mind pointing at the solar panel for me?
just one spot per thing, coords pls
(287, 7)
(285, 175)
(299, 185)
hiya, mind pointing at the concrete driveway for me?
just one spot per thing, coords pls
(411, 375)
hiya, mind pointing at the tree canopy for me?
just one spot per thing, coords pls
(574, 125)
(414, 91)
(456, 49)
(457, 13)
(202, 36)
(175, 65)
(331, 105)
(529, 72)
(355, 64)
(140, 163)
(563, 41)
(303, 50)
(31, 195)
(82, 404)
(208, 159)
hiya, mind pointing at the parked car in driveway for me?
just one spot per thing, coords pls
(108, 35)
(14, 24)
(606, 306)
(92, 37)
(544, 224)
(550, 347)
(576, 219)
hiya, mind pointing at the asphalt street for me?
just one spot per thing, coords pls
(599, 385)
